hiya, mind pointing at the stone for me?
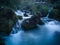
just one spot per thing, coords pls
(28, 24)
(31, 23)
(57, 6)
(43, 13)
(36, 19)
(25, 14)
(7, 20)
(55, 14)
(2, 41)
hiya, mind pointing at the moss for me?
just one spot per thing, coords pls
(19, 17)
(7, 20)
(55, 14)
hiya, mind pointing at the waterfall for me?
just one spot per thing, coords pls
(42, 36)
(50, 9)
(17, 26)
(46, 19)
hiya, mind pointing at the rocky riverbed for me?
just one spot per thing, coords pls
(47, 34)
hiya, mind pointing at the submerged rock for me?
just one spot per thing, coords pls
(7, 20)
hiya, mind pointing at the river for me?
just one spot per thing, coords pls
(47, 34)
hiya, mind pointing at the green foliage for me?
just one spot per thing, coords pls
(14, 4)
(53, 1)
(7, 20)
(19, 17)
(55, 12)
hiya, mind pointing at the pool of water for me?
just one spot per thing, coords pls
(48, 34)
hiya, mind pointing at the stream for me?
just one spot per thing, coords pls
(47, 34)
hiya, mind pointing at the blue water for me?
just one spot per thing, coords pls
(47, 34)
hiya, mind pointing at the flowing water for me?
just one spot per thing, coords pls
(47, 34)
(43, 35)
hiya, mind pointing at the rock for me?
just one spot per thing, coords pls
(37, 20)
(43, 13)
(55, 14)
(25, 15)
(57, 6)
(38, 14)
(31, 23)
(41, 22)
(1, 41)
(28, 24)
(7, 20)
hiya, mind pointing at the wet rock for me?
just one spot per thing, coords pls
(25, 14)
(7, 20)
(31, 23)
(28, 24)
(37, 20)
(55, 14)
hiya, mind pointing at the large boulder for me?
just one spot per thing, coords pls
(28, 24)
(31, 23)
(36, 19)
(7, 20)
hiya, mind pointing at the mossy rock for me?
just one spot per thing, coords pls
(31, 23)
(44, 10)
(57, 6)
(55, 14)
(7, 20)
(20, 17)
(27, 24)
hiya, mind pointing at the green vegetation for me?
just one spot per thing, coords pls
(19, 17)
(7, 20)
(36, 7)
